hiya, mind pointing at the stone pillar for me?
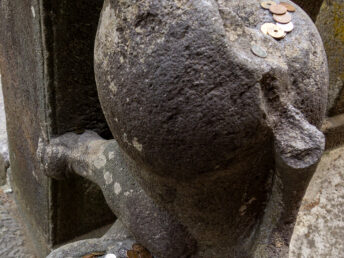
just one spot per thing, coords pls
(46, 62)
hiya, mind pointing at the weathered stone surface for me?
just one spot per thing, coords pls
(46, 60)
(319, 231)
(70, 28)
(149, 56)
(105, 164)
(22, 70)
(185, 97)
(330, 23)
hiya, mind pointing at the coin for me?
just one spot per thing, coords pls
(284, 18)
(278, 9)
(286, 27)
(276, 32)
(265, 26)
(289, 7)
(259, 51)
(267, 4)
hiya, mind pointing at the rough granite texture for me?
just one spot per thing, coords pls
(319, 230)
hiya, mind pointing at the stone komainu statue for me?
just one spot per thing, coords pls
(214, 146)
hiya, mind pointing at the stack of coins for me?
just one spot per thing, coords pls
(281, 15)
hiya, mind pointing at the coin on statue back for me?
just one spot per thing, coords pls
(265, 26)
(276, 32)
(286, 27)
(259, 51)
(289, 7)
(284, 18)
(267, 4)
(278, 9)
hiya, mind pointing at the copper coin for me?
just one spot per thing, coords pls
(265, 27)
(278, 9)
(267, 4)
(276, 32)
(289, 7)
(284, 18)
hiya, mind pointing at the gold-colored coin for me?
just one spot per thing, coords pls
(284, 18)
(264, 28)
(278, 9)
(289, 7)
(267, 4)
(276, 32)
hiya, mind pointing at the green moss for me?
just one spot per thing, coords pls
(338, 18)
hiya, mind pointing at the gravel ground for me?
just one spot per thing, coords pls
(13, 240)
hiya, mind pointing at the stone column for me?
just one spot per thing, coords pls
(46, 62)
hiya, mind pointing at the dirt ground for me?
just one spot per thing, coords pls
(14, 242)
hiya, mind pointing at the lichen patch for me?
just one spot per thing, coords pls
(117, 188)
(108, 178)
(137, 145)
(100, 162)
(111, 155)
(113, 88)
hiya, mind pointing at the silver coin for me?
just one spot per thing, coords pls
(286, 27)
(259, 51)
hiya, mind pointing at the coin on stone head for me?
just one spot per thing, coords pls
(265, 26)
(276, 32)
(278, 9)
(284, 18)
(267, 4)
(286, 27)
(259, 51)
(289, 7)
